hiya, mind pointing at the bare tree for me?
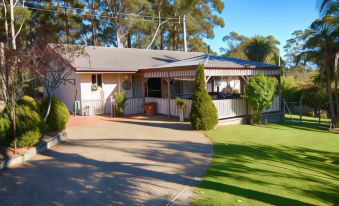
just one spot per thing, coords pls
(53, 65)
(14, 66)
(160, 23)
(15, 74)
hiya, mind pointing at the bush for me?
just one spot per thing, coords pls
(58, 115)
(180, 102)
(260, 93)
(203, 114)
(30, 126)
(120, 100)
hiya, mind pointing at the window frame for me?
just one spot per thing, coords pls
(97, 80)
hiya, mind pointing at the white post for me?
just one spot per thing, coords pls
(184, 25)
(119, 83)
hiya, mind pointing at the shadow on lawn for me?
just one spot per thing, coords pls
(286, 168)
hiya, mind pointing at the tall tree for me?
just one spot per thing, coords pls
(322, 46)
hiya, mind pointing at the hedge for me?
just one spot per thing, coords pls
(58, 116)
(30, 126)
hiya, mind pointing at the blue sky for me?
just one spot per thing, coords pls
(265, 17)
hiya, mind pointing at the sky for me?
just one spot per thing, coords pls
(265, 17)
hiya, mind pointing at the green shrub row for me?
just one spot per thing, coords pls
(30, 125)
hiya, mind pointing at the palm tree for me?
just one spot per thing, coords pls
(259, 48)
(321, 46)
(329, 10)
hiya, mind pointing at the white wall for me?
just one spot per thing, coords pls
(67, 91)
(110, 85)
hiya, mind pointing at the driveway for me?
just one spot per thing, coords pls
(105, 161)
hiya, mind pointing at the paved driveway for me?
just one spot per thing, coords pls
(127, 161)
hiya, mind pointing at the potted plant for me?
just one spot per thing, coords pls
(150, 108)
(120, 100)
(181, 103)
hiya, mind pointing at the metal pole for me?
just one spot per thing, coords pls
(284, 109)
(184, 25)
(300, 111)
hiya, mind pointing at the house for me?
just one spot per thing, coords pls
(159, 76)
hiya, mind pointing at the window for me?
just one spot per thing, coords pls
(97, 80)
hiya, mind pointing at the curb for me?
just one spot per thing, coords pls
(41, 147)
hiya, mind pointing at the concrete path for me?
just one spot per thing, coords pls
(126, 161)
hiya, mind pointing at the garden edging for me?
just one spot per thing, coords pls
(41, 147)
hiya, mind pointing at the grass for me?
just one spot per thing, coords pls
(277, 164)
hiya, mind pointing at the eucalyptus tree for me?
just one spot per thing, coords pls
(235, 44)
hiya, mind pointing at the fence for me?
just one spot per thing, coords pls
(92, 107)
(226, 108)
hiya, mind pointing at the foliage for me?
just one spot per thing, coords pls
(180, 102)
(203, 114)
(254, 164)
(129, 23)
(30, 125)
(59, 115)
(293, 49)
(257, 48)
(120, 100)
(321, 47)
(261, 48)
(260, 93)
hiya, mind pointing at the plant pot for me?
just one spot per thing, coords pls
(181, 108)
(150, 108)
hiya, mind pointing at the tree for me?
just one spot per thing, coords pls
(294, 47)
(329, 11)
(260, 93)
(52, 66)
(203, 114)
(235, 45)
(260, 48)
(15, 74)
(321, 46)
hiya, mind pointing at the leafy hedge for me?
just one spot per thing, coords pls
(58, 116)
(203, 114)
(30, 126)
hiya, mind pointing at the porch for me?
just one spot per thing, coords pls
(162, 86)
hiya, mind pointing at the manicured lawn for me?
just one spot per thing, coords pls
(277, 164)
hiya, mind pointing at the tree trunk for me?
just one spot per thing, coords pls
(118, 38)
(13, 122)
(93, 25)
(329, 95)
(129, 40)
(12, 25)
(162, 39)
(48, 108)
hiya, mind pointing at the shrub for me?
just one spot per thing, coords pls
(120, 103)
(260, 93)
(30, 126)
(58, 115)
(180, 102)
(203, 114)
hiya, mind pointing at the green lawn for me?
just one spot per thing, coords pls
(277, 164)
